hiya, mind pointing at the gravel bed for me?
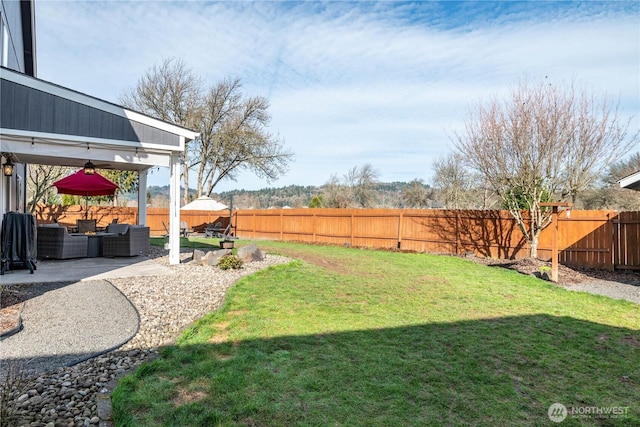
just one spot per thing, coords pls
(76, 395)
(629, 291)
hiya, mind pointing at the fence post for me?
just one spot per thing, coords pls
(314, 226)
(253, 225)
(352, 219)
(400, 230)
(457, 232)
(554, 244)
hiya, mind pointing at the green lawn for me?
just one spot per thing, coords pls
(350, 337)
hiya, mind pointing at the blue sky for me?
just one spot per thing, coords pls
(349, 83)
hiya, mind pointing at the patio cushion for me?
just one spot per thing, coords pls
(117, 228)
(57, 243)
(135, 241)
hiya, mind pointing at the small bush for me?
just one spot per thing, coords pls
(230, 261)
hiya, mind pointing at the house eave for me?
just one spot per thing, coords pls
(631, 182)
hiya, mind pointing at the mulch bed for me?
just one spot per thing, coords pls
(10, 306)
(566, 275)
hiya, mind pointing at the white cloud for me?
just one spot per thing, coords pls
(349, 83)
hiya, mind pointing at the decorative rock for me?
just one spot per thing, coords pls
(250, 253)
(197, 256)
(213, 258)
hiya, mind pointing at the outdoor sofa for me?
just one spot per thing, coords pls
(55, 242)
(125, 240)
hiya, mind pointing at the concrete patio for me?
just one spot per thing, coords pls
(85, 269)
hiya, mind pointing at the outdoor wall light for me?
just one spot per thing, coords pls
(7, 168)
(89, 168)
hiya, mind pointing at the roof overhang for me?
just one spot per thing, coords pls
(631, 182)
(44, 123)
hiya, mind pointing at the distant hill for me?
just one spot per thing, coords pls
(295, 196)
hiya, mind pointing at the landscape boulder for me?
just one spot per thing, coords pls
(197, 256)
(250, 253)
(213, 257)
(209, 258)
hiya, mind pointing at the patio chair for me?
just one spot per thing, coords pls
(125, 240)
(214, 230)
(85, 225)
(55, 242)
(184, 229)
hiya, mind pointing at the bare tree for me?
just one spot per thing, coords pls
(233, 137)
(608, 194)
(452, 181)
(543, 142)
(233, 127)
(39, 184)
(362, 181)
(170, 92)
(416, 194)
(336, 194)
(622, 169)
(357, 188)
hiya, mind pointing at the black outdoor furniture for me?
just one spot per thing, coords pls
(184, 229)
(217, 230)
(55, 242)
(125, 240)
(18, 237)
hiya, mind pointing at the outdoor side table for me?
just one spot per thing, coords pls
(94, 244)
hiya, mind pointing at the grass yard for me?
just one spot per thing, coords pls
(349, 337)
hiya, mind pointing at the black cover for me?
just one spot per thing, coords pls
(18, 241)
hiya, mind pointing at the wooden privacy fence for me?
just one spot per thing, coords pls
(590, 239)
(68, 215)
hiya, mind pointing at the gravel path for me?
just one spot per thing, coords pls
(612, 289)
(89, 317)
(73, 395)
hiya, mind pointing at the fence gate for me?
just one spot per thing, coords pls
(626, 241)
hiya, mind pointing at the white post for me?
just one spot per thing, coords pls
(142, 197)
(174, 210)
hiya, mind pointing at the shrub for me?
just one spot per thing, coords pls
(230, 261)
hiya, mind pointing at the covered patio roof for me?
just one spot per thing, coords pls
(631, 182)
(44, 123)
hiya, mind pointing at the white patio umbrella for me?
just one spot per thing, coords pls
(204, 203)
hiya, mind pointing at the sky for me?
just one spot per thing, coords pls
(349, 83)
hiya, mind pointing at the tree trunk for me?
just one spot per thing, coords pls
(533, 246)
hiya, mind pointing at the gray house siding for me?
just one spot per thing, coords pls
(28, 109)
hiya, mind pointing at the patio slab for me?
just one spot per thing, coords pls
(85, 269)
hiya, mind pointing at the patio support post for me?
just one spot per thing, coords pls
(174, 209)
(142, 197)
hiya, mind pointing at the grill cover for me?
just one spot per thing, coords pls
(18, 241)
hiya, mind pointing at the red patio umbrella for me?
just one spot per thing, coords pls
(82, 184)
